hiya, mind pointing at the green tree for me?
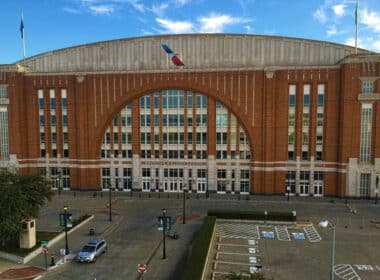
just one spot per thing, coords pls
(21, 198)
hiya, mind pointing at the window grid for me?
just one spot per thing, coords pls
(365, 133)
(367, 87)
(4, 140)
(365, 182)
(3, 92)
(291, 121)
(305, 122)
(41, 106)
(320, 121)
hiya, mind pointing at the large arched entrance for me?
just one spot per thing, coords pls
(181, 139)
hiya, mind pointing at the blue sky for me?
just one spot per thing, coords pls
(55, 24)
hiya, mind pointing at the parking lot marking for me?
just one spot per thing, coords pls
(230, 262)
(346, 272)
(251, 242)
(312, 234)
(282, 233)
(231, 253)
(234, 230)
(298, 236)
(268, 234)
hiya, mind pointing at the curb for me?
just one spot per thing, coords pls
(30, 256)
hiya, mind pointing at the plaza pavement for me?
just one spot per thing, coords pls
(147, 206)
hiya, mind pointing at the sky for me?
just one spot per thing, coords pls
(56, 24)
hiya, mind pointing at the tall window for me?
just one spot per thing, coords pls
(4, 146)
(305, 122)
(3, 92)
(320, 121)
(65, 121)
(365, 183)
(367, 87)
(244, 181)
(41, 114)
(365, 133)
(4, 141)
(291, 122)
(53, 123)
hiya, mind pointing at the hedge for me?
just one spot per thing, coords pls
(197, 259)
(253, 215)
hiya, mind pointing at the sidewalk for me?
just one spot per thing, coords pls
(76, 239)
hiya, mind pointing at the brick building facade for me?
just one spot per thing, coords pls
(246, 114)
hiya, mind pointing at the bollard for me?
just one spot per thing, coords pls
(52, 260)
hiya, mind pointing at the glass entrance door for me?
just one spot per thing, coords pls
(318, 189)
(146, 186)
(173, 186)
(304, 189)
(201, 186)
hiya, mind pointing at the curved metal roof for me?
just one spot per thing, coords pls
(197, 51)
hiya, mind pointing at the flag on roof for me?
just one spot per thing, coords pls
(356, 13)
(22, 28)
(173, 56)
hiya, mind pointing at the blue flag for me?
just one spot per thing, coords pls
(22, 28)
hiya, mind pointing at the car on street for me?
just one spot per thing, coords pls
(92, 250)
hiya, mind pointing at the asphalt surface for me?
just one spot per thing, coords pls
(133, 237)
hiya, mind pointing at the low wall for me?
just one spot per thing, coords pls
(22, 260)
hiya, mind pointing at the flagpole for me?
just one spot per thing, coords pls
(22, 29)
(356, 24)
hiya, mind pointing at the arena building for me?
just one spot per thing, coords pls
(245, 114)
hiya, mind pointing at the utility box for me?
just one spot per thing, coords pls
(28, 234)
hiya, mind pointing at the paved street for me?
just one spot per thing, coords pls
(133, 238)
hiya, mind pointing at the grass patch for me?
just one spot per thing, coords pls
(13, 247)
(21, 252)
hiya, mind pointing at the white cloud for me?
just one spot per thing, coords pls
(71, 10)
(102, 9)
(215, 23)
(376, 46)
(159, 9)
(320, 15)
(137, 5)
(351, 42)
(176, 27)
(367, 43)
(181, 2)
(371, 19)
(339, 10)
(331, 31)
(249, 29)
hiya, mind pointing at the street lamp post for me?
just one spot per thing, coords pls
(377, 187)
(163, 233)
(326, 224)
(110, 203)
(66, 241)
(59, 182)
(184, 204)
(288, 191)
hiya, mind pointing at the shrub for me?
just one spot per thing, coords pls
(197, 259)
(80, 219)
(252, 215)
